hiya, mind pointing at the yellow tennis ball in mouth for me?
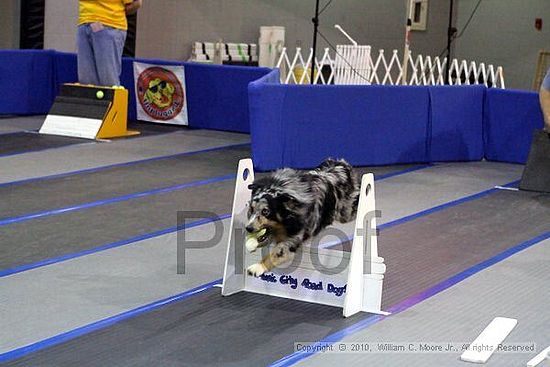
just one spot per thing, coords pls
(261, 233)
(251, 243)
(99, 94)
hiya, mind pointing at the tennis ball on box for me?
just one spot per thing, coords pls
(99, 94)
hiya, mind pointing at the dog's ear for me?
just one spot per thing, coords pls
(289, 201)
(253, 186)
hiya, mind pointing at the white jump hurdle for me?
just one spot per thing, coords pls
(355, 285)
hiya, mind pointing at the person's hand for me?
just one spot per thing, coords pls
(133, 7)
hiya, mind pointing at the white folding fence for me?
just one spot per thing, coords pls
(355, 64)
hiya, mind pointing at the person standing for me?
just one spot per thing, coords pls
(544, 99)
(100, 37)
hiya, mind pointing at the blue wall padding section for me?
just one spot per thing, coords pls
(266, 97)
(299, 126)
(217, 96)
(509, 120)
(65, 69)
(127, 80)
(26, 81)
(456, 115)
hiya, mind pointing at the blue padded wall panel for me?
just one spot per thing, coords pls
(26, 81)
(456, 119)
(366, 125)
(266, 99)
(217, 95)
(510, 116)
(66, 69)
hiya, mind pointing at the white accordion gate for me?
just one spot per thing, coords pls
(352, 64)
(352, 281)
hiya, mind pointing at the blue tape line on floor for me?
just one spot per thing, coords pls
(411, 301)
(429, 211)
(113, 200)
(17, 353)
(61, 338)
(54, 260)
(62, 258)
(101, 168)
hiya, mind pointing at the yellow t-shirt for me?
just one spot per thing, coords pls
(111, 13)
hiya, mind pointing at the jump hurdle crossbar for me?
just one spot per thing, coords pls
(353, 282)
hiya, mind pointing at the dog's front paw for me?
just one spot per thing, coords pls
(256, 270)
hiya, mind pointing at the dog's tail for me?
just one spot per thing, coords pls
(339, 167)
(342, 169)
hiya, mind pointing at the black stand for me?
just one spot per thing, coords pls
(536, 175)
(450, 33)
(315, 21)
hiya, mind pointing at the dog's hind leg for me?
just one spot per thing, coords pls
(280, 254)
(347, 210)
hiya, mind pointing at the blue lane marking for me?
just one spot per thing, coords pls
(411, 301)
(50, 261)
(61, 338)
(101, 168)
(83, 330)
(449, 204)
(116, 199)
(423, 213)
(53, 260)
(402, 172)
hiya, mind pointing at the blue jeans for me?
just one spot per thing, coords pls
(546, 81)
(100, 55)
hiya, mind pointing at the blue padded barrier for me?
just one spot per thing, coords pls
(217, 95)
(456, 119)
(266, 99)
(65, 70)
(509, 120)
(26, 81)
(300, 125)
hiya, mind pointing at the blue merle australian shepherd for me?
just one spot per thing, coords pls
(294, 206)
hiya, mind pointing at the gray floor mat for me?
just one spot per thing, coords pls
(81, 188)
(248, 329)
(43, 238)
(89, 288)
(52, 236)
(10, 124)
(511, 288)
(119, 151)
(23, 142)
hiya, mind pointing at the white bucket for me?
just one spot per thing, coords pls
(272, 39)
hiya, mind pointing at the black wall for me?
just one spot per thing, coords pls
(32, 24)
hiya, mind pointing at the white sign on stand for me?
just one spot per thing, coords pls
(352, 280)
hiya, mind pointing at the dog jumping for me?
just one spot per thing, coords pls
(293, 206)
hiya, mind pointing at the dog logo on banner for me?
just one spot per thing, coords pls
(160, 93)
